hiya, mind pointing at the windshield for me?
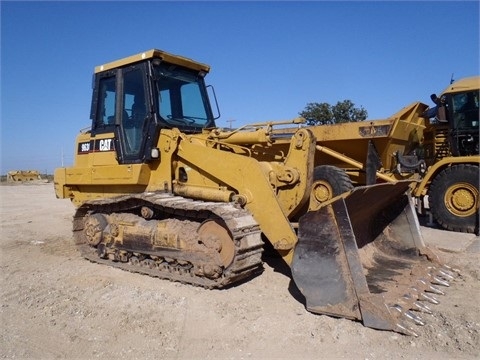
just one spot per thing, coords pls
(181, 98)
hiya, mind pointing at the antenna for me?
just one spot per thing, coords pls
(451, 79)
(230, 123)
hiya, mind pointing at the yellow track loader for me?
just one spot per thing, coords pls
(160, 190)
(23, 176)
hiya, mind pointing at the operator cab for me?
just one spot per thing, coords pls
(138, 96)
(459, 108)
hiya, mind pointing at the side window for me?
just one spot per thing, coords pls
(465, 107)
(181, 103)
(165, 104)
(181, 98)
(106, 103)
(192, 104)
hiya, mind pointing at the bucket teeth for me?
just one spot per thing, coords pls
(401, 328)
(439, 281)
(423, 284)
(408, 298)
(435, 289)
(443, 272)
(451, 269)
(446, 274)
(426, 285)
(397, 308)
(415, 318)
(415, 304)
(432, 279)
(430, 298)
(408, 314)
(425, 290)
(418, 305)
(422, 293)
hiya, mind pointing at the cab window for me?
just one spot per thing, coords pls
(105, 115)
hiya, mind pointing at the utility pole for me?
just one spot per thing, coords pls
(230, 123)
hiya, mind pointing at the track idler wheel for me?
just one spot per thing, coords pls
(93, 229)
(216, 237)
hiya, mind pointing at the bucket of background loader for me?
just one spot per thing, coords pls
(361, 256)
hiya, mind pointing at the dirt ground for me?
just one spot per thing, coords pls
(55, 304)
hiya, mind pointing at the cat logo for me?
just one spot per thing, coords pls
(105, 145)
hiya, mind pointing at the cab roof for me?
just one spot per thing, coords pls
(465, 84)
(151, 54)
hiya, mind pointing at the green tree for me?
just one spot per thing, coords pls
(324, 113)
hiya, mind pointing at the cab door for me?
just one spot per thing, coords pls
(101, 147)
(133, 109)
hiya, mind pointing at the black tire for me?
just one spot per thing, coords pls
(333, 181)
(453, 198)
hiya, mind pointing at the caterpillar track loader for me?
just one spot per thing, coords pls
(438, 147)
(160, 190)
(23, 176)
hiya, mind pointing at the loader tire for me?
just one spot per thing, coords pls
(453, 198)
(330, 181)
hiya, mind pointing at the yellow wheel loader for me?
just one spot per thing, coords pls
(160, 190)
(437, 147)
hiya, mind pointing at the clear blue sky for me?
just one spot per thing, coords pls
(268, 59)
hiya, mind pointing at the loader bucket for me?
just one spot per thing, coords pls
(362, 257)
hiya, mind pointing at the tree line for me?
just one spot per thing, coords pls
(324, 113)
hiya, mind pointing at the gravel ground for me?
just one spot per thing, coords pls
(55, 304)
